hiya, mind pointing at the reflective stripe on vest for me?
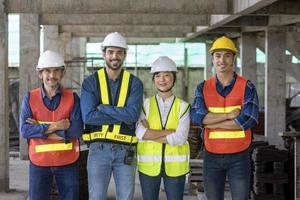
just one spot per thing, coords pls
(226, 134)
(52, 147)
(115, 134)
(227, 109)
(225, 141)
(176, 158)
(51, 152)
(109, 135)
(157, 158)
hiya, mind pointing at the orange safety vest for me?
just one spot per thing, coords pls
(225, 141)
(50, 152)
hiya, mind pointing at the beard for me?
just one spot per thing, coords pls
(114, 66)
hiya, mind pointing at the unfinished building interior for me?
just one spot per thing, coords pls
(268, 26)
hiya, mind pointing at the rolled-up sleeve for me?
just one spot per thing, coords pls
(76, 125)
(140, 129)
(180, 136)
(198, 108)
(248, 117)
(30, 130)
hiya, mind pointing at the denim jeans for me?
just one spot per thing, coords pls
(105, 159)
(235, 166)
(174, 186)
(66, 178)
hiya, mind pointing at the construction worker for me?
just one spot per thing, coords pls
(163, 151)
(226, 105)
(51, 121)
(111, 103)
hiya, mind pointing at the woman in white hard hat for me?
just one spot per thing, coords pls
(163, 150)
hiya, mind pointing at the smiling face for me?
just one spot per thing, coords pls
(223, 61)
(164, 81)
(51, 77)
(114, 57)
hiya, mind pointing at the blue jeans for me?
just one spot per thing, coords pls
(174, 186)
(235, 166)
(105, 159)
(66, 177)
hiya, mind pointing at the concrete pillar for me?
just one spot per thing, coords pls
(51, 38)
(65, 45)
(82, 54)
(208, 71)
(29, 55)
(4, 132)
(75, 68)
(185, 75)
(78, 47)
(275, 85)
(248, 56)
(59, 42)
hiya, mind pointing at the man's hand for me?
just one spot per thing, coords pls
(59, 125)
(233, 114)
(55, 137)
(145, 123)
(31, 121)
(62, 124)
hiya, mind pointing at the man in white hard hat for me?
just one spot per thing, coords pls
(111, 101)
(51, 121)
(163, 151)
(226, 105)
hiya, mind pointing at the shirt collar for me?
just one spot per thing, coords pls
(230, 83)
(57, 92)
(116, 80)
(168, 100)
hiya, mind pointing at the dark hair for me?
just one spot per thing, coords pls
(212, 53)
(104, 49)
(174, 76)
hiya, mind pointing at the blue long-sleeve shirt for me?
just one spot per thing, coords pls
(38, 130)
(94, 113)
(248, 116)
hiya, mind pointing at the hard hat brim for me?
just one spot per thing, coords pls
(38, 68)
(223, 49)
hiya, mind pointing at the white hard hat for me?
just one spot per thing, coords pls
(50, 59)
(163, 64)
(114, 40)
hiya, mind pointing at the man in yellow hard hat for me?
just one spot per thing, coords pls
(226, 105)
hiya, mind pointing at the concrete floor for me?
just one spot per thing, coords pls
(18, 172)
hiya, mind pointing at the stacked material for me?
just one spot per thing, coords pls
(270, 176)
(195, 141)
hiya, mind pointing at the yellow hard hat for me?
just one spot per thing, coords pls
(223, 43)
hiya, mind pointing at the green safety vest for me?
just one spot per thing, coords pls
(113, 132)
(151, 154)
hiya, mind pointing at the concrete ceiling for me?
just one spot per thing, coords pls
(190, 20)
